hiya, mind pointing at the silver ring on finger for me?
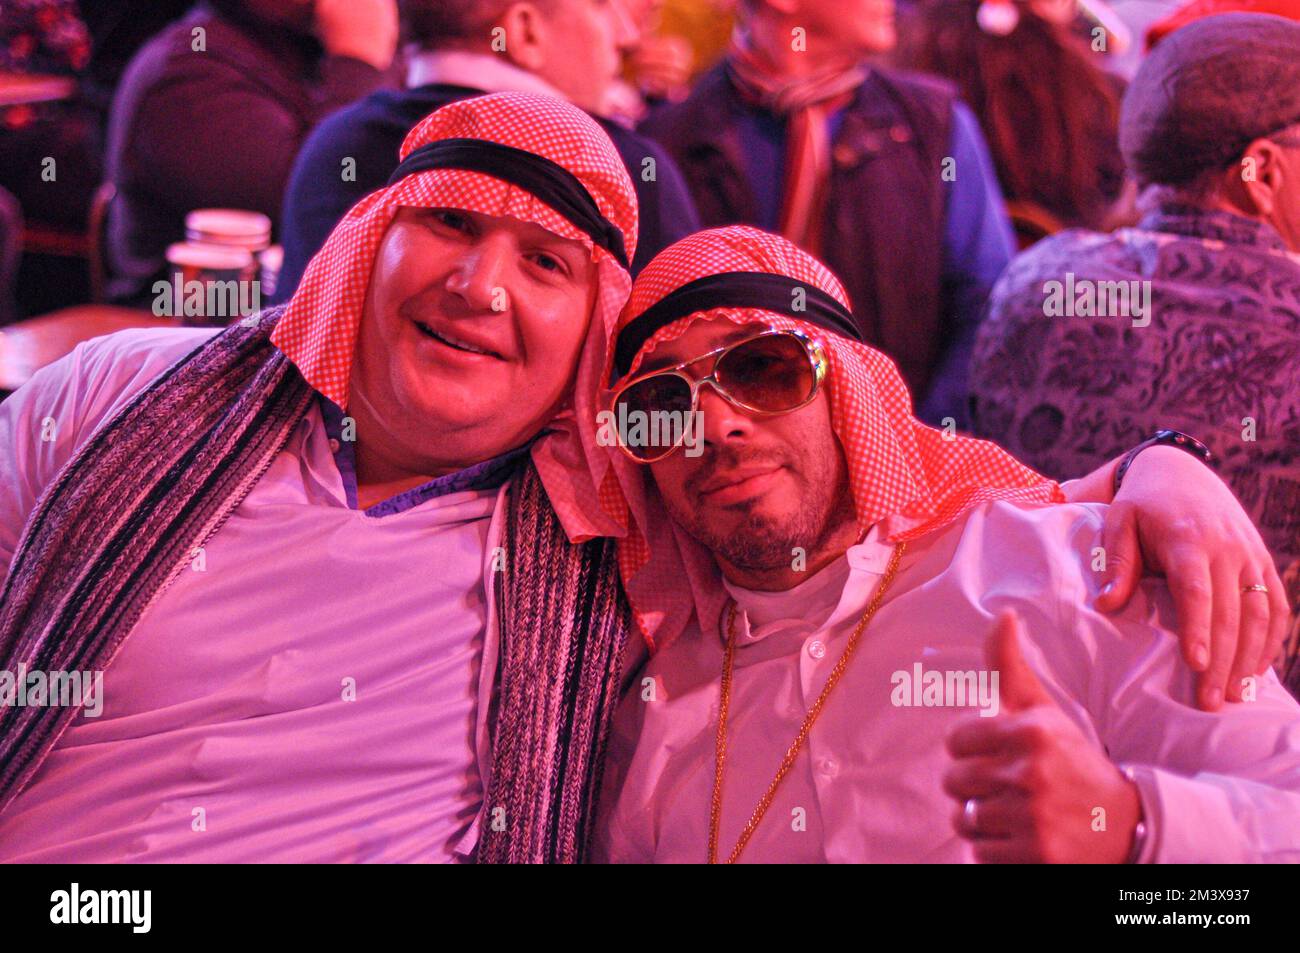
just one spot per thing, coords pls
(969, 813)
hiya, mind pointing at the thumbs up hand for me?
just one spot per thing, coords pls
(1029, 786)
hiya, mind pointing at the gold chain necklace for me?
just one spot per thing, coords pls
(715, 809)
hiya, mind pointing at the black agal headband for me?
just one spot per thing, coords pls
(552, 183)
(734, 289)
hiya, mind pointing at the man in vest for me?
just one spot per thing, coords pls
(883, 175)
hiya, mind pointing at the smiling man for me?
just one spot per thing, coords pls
(829, 700)
(350, 571)
(431, 360)
(295, 546)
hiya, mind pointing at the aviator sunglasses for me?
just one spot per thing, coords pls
(771, 373)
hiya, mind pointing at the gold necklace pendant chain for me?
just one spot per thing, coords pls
(715, 808)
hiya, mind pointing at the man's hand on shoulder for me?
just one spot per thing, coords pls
(1174, 517)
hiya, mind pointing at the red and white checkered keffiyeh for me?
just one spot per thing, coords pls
(318, 330)
(915, 478)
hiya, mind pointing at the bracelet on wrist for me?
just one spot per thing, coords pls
(1168, 438)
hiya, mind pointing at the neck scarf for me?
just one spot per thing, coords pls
(123, 517)
(904, 475)
(806, 103)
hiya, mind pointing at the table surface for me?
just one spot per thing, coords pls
(27, 346)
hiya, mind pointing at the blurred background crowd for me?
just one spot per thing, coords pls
(146, 119)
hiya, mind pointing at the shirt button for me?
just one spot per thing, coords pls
(828, 767)
(334, 445)
(816, 648)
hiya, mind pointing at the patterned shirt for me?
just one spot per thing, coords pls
(1215, 353)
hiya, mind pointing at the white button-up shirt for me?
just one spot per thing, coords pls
(867, 786)
(317, 688)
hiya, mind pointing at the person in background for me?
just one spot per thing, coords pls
(1049, 111)
(212, 110)
(884, 175)
(705, 24)
(51, 143)
(1189, 320)
(569, 49)
(680, 40)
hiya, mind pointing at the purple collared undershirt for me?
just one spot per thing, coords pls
(487, 474)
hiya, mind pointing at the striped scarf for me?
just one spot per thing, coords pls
(564, 622)
(125, 515)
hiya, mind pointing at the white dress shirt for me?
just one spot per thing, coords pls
(1222, 787)
(317, 688)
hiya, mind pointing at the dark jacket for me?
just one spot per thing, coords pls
(885, 209)
(212, 127)
(371, 132)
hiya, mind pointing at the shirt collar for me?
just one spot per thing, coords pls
(485, 475)
(482, 71)
(1216, 225)
(824, 600)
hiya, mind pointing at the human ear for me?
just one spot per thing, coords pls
(524, 36)
(1261, 170)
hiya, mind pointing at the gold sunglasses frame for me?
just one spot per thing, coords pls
(812, 348)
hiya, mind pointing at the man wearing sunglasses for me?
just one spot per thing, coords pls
(894, 651)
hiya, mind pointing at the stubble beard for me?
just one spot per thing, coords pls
(760, 542)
